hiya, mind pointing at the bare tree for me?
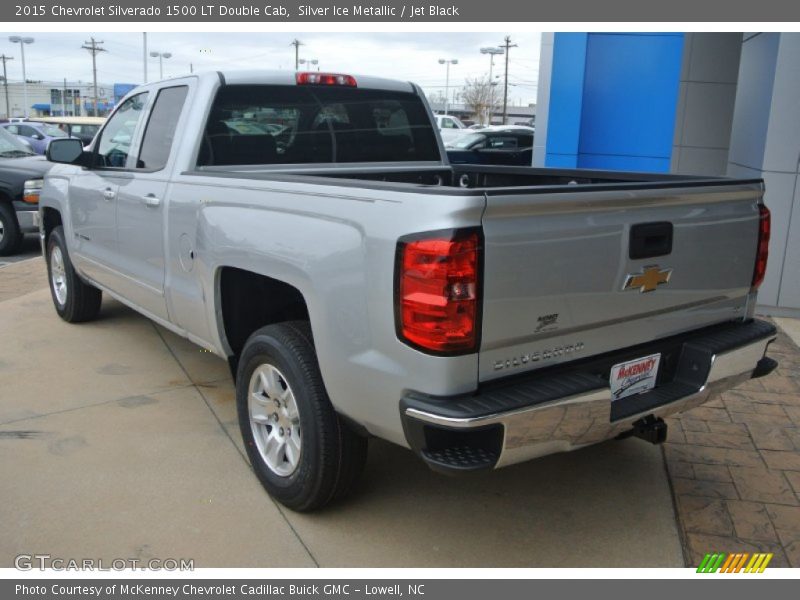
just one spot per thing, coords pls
(436, 97)
(479, 95)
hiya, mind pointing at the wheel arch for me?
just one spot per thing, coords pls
(51, 218)
(247, 300)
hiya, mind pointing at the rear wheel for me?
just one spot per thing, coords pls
(304, 455)
(74, 300)
(10, 235)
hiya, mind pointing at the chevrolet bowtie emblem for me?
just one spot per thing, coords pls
(648, 280)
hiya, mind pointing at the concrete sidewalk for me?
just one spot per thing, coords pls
(120, 440)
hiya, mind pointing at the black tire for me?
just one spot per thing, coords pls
(10, 235)
(82, 301)
(332, 455)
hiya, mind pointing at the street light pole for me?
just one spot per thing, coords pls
(4, 58)
(448, 62)
(161, 56)
(491, 51)
(309, 61)
(15, 39)
(144, 55)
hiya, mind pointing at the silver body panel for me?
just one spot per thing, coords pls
(336, 244)
(567, 255)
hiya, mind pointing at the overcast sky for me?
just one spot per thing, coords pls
(409, 56)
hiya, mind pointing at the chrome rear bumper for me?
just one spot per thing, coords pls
(705, 367)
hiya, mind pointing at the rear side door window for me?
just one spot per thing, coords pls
(27, 131)
(116, 139)
(160, 132)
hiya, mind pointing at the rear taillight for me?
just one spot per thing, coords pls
(312, 78)
(762, 250)
(437, 291)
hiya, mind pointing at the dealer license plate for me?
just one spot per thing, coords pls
(634, 376)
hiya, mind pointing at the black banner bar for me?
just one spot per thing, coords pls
(728, 587)
(315, 11)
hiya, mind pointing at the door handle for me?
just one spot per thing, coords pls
(109, 194)
(151, 200)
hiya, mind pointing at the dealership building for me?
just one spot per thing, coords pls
(59, 98)
(693, 103)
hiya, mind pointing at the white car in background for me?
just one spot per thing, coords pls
(449, 127)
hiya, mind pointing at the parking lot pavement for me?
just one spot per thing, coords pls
(119, 440)
(735, 465)
(30, 248)
(22, 277)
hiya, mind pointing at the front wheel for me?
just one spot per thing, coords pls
(304, 455)
(74, 299)
(10, 235)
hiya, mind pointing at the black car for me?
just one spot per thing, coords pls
(21, 179)
(493, 146)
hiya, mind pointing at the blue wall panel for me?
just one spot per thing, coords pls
(566, 97)
(624, 118)
(630, 97)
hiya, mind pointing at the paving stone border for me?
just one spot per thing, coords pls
(734, 465)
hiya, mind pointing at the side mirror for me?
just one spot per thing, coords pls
(38, 136)
(65, 150)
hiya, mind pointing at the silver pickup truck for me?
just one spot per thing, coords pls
(307, 228)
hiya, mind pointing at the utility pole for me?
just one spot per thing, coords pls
(508, 45)
(296, 43)
(4, 58)
(64, 99)
(94, 47)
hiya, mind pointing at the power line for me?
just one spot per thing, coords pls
(94, 47)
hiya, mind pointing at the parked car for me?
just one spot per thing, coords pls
(83, 128)
(360, 285)
(450, 127)
(493, 146)
(21, 179)
(38, 135)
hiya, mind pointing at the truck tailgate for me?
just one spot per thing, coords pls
(577, 272)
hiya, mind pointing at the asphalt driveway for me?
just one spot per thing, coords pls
(119, 440)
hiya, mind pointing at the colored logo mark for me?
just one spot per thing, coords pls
(738, 562)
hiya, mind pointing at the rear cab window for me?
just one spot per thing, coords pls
(274, 125)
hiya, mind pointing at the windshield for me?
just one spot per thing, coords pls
(10, 145)
(52, 131)
(467, 141)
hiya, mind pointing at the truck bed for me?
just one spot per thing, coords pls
(558, 252)
(472, 177)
